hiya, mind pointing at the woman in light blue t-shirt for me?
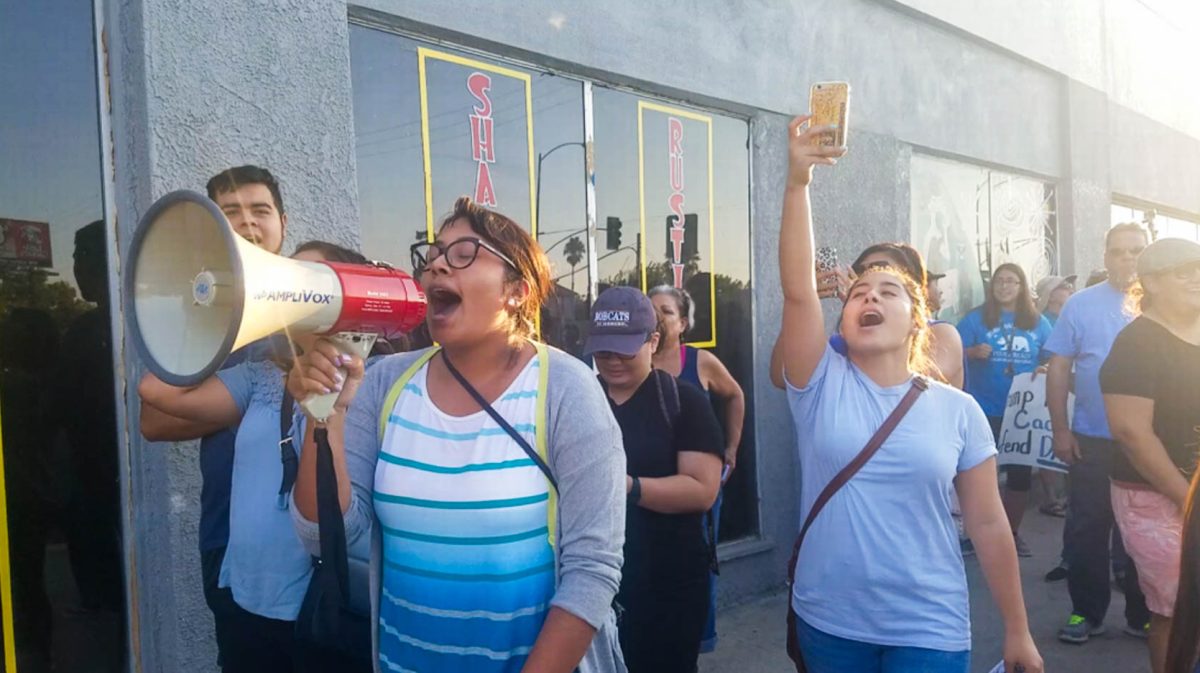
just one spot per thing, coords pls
(880, 585)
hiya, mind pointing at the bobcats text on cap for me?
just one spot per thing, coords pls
(611, 319)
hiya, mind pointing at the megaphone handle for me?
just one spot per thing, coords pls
(320, 407)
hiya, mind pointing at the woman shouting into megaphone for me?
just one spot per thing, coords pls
(489, 471)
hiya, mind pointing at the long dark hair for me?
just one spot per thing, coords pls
(333, 252)
(1185, 624)
(1027, 313)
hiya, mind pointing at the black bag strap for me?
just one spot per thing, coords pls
(336, 575)
(919, 385)
(287, 449)
(533, 455)
(669, 404)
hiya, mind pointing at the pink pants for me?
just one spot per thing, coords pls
(1152, 529)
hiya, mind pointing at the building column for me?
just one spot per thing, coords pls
(194, 89)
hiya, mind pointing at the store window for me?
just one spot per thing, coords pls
(1160, 225)
(656, 161)
(968, 219)
(671, 191)
(433, 124)
(64, 601)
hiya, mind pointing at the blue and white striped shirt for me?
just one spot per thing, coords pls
(468, 570)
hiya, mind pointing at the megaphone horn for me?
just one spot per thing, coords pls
(199, 292)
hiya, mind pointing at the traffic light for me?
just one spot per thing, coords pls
(613, 233)
(691, 240)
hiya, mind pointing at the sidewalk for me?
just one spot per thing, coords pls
(752, 634)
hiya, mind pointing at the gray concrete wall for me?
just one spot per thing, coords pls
(1113, 151)
(914, 81)
(1141, 53)
(1084, 193)
(196, 88)
(1152, 162)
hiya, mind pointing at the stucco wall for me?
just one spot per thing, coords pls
(1141, 53)
(912, 80)
(199, 87)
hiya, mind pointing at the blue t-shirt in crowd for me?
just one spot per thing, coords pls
(216, 466)
(1085, 331)
(1012, 347)
(881, 563)
(266, 565)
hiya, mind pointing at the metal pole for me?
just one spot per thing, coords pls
(537, 199)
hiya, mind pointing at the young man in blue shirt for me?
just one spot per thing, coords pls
(1082, 338)
(251, 200)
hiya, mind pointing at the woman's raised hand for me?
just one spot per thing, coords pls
(834, 283)
(319, 371)
(804, 153)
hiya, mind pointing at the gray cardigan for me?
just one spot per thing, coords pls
(587, 458)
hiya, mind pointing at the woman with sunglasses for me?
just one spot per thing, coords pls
(945, 345)
(880, 585)
(488, 554)
(1151, 384)
(1003, 338)
(673, 449)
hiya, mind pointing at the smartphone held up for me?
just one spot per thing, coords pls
(827, 258)
(829, 104)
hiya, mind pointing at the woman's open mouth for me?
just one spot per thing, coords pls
(870, 319)
(442, 302)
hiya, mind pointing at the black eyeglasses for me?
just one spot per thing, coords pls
(459, 255)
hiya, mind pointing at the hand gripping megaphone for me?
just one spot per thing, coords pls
(198, 292)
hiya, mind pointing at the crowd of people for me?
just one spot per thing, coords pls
(514, 509)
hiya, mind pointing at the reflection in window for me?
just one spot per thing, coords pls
(477, 121)
(1161, 226)
(967, 220)
(59, 416)
(680, 172)
(434, 123)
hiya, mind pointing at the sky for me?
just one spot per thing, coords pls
(49, 133)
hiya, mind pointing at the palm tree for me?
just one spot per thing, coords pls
(574, 252)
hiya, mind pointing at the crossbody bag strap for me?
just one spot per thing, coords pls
(287, 448)
(919, 385)
(529, 451)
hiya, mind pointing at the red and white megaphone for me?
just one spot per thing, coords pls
(198, 292)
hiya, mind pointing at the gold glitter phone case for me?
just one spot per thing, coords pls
(830, 104)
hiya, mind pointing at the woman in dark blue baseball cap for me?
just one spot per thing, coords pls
(674, 451)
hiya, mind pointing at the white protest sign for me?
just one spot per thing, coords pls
(1026, 437)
